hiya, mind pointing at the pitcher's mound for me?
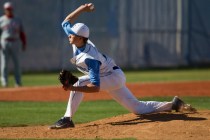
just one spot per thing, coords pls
(152, 126)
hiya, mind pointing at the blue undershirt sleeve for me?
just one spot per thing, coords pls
(66, 25)
(93, 67)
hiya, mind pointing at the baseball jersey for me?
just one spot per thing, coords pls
(89, 60)
(10, 27)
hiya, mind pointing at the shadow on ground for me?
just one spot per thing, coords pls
(157, 117)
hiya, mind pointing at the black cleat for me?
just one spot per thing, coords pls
(64, 122)
(177, 104)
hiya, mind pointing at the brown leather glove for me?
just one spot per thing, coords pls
(67, 78)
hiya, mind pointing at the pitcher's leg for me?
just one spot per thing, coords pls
(76, 97)
(66, 120)
(74, 101)
(124, 97)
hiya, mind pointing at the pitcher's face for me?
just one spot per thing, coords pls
(72, 39)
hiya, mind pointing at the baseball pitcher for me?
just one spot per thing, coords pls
(100, 73)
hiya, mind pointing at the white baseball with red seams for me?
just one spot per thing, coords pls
(91, 6)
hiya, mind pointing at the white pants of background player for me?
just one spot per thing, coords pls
(10, 49)
(114, 84)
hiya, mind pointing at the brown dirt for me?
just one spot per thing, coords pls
(159, 126)
(56, 93)
(152, 126)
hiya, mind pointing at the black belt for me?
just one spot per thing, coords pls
(115, 68)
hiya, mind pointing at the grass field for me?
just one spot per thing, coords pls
(42, 113)
(132, 76)
(45, 113)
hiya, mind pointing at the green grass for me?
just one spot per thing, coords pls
(168, 75)
(41, 79)
(33, 113)
(46, 113)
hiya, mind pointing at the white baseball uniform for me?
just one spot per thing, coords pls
(10, 29)
(109, 77)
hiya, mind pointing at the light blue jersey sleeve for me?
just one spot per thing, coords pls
(93, 67)
(66, 25)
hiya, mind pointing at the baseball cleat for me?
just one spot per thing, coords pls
(180, 106)
(177, 104)
(64, 122)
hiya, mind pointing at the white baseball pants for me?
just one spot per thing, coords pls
(10, 49)
(114, 84)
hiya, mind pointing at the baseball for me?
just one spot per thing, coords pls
(91, 6)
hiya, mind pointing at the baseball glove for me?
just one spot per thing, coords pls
(66, 78)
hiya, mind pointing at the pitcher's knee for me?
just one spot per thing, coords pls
(81, 82)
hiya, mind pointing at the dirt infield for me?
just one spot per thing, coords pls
(161, 126)
(152, 126)
(56, 93)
